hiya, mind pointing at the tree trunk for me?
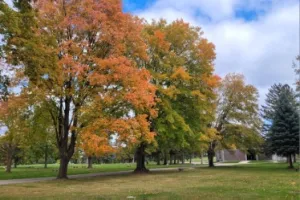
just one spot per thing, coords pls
(140, 159)
(171, 157)
(65, 141)
(175, 158)
(291, 162)
(46, 156)
(15, 163)
(8, 163)
(201, 155)
(191, 159)
(90, 162)
(63, 168)
(9, 158)
(182, 159)
(158, 158)
(165, 158)
(295, 159)
(211, 154)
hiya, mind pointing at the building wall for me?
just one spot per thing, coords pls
(230, 155)
(275, 157)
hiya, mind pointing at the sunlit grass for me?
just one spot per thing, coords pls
(254, 181)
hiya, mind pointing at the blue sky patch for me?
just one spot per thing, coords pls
(133, 5)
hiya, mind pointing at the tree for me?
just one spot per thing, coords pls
(40, 139)
(269, 109)
(237, 122)
(77, 54)
(297, 71)
(13, 114)
(181, 64)
(284, 132)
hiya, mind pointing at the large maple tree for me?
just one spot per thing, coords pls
(78, 54)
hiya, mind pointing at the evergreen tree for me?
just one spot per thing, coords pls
(283, 136)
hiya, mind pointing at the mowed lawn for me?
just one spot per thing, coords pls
(253, 181)
(36, 171)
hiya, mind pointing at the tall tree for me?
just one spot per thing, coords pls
(269, 109)
(284, 132)
(77, 54)
(181, 64)
(237, 122)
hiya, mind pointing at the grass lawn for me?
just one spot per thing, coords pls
(253, 181)
(35, 171)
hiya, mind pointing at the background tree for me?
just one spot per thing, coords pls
(237, 124)
(284, 132)
(181, 64)
(13, 114)
(269, 109)
(40, 139)
(297, 71)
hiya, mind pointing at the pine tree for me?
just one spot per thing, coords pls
(284, 132)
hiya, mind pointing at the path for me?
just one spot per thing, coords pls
(78, 176)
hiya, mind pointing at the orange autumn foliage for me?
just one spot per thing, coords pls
(99, 49)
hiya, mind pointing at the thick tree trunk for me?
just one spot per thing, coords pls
(9, 158)
(90, 162)
(46, 156)
(290, 162)
(182, 159)
(295, 158)
(65, 141)
(140, 159)
(201, 155)
(63, 168)
(191, 159)
(211, 154)
(8, 163)
(165, 158)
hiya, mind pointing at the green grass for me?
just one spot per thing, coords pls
(35, 171)
(246, 182)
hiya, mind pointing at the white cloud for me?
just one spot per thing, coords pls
(262, 49)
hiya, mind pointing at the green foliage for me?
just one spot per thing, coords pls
(268, 110)
(238, 123)
(283, 137)
(181, 65)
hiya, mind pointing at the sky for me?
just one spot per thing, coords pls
(258, 38)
